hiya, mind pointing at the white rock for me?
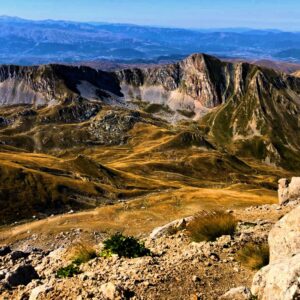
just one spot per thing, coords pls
(288, 191)
(278, 281)
(239, 293)
(284, 238)
(36, 292)
(166, 229)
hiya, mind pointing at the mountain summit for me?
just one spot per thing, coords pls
(247, 109)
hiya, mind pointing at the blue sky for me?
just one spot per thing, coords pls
(184, 13)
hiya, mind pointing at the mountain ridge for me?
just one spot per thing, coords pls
(188, 125)
(28, 42)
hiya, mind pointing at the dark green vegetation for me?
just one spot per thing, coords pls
(124, 246)
(254, 256)
(68, 271)
(208, 226)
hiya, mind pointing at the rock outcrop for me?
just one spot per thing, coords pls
(284, 238)
(288, 191)
(280, 279)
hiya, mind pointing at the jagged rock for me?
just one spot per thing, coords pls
(278, 281)
(239, 293)
(22, 275)
(167, 229)
(284, 238)
(288, 191)
(4, 250)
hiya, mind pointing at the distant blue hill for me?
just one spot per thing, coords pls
(34, 42)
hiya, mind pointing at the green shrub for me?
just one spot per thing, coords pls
(208, 226)
(254, 256)
(68, 271)
(124, 246)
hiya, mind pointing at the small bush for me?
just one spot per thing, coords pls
(124, 246)
(254, 256)
(82, 253)
(68, 271)
(208, 226)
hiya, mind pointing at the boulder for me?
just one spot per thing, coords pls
(278, 281)
(284, 238)
(167, 229)
(239, 293)
(288, 191)
(22, 275)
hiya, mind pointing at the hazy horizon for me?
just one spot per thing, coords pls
(191, 14)
(237, 28)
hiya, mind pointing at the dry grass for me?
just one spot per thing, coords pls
(208, 226)
(138, 171)
(254, 256)
(82, 252)
(134, 219)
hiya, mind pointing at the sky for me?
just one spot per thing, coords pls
(278, 14)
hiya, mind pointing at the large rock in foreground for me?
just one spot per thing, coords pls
(288, 191)
(280, 280)
(284, 238)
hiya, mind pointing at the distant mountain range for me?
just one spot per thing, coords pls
(28, 42)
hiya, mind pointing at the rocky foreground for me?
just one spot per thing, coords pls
(178, 268)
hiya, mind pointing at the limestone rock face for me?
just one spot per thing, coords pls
(284, 238)
(280, 279)
(288, 191)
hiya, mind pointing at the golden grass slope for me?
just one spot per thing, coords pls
(81, 178)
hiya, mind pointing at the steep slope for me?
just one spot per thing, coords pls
(263, 122)
(50, 84)
(199, 83)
